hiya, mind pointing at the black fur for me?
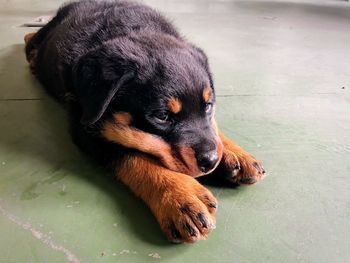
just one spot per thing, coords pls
(112, 56)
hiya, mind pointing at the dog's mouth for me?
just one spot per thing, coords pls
(209, 171)
(220, 149)
(186, 161)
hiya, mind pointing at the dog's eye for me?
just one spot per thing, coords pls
(208, 107)
(162, 116)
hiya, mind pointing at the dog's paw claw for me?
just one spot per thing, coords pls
(242, 170)
(187, 216)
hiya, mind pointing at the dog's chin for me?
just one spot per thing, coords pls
(209, 172)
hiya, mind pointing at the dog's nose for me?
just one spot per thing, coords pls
(207, 161)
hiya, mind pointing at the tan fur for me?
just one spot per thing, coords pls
(188, 158)
(123, 118)
(167, 193)
(28, 37)
(141, 141)
(31, 58)
(220, 146)
(248, 168)
(174, 105)
(184, 161)
(207, 92)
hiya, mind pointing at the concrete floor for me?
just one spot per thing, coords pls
(282, 73)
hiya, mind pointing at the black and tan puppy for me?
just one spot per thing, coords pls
(141, 101)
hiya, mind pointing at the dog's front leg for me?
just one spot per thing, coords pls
(184, 208)
(237, 165)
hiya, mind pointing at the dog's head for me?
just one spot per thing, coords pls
(153, 93)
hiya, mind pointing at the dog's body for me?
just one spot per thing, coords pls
(140, 100)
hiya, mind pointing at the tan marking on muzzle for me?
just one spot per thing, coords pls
(219, 144)
(188, 157)
(187, 154)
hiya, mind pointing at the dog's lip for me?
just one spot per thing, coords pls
(210, 171)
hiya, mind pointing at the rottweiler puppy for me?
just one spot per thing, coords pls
(140, 100)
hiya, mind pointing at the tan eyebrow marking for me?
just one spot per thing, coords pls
(174, 105)
(122, 117)
(207, 92)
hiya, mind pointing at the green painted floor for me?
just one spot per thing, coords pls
(282, 73)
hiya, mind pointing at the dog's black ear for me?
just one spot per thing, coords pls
(97, 76)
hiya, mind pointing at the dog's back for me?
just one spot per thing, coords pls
(80, 27)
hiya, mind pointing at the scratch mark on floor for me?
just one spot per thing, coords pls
(44, 238)
(154, 255)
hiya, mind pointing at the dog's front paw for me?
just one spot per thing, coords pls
(186, 212)
(241, 168)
